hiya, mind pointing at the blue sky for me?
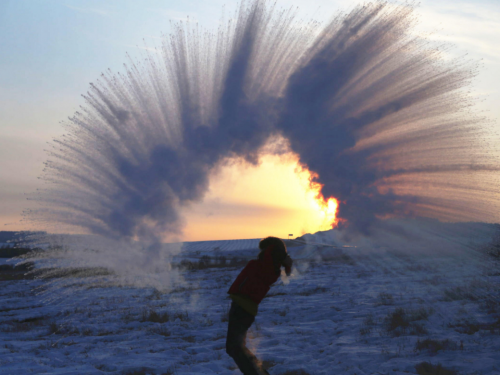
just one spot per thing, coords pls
(52, 49)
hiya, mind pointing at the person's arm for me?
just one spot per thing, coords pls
(287, 263)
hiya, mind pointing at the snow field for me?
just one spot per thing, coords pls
(377, 314)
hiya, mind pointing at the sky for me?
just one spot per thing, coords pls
(52, 49)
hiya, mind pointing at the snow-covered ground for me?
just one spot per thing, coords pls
(6, 261)
(346, 311)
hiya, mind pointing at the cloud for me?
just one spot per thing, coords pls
(100, 12)
(468, 26)
(175, 15)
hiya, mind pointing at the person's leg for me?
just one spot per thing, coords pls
(239, 322)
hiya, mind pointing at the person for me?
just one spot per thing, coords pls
(246, 292)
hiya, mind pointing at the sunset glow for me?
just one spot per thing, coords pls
(325, 208)
(273, 198)
(330, 212)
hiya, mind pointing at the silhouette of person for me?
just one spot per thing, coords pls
(247, 291)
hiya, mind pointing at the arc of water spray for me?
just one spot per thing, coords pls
(377, 115)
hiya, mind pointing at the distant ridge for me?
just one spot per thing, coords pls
(8, 236)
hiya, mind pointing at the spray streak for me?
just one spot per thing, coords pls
(375, 112)
(379, 118)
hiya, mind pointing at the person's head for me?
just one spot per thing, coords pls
(279, 252)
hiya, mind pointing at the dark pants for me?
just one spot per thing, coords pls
(239, 323)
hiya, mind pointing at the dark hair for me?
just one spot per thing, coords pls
(278, 252)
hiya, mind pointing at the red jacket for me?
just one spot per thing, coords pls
(256, 278)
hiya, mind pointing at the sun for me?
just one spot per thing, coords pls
(325, 208)
(329, 210)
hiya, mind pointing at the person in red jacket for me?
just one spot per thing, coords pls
(247, 291)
